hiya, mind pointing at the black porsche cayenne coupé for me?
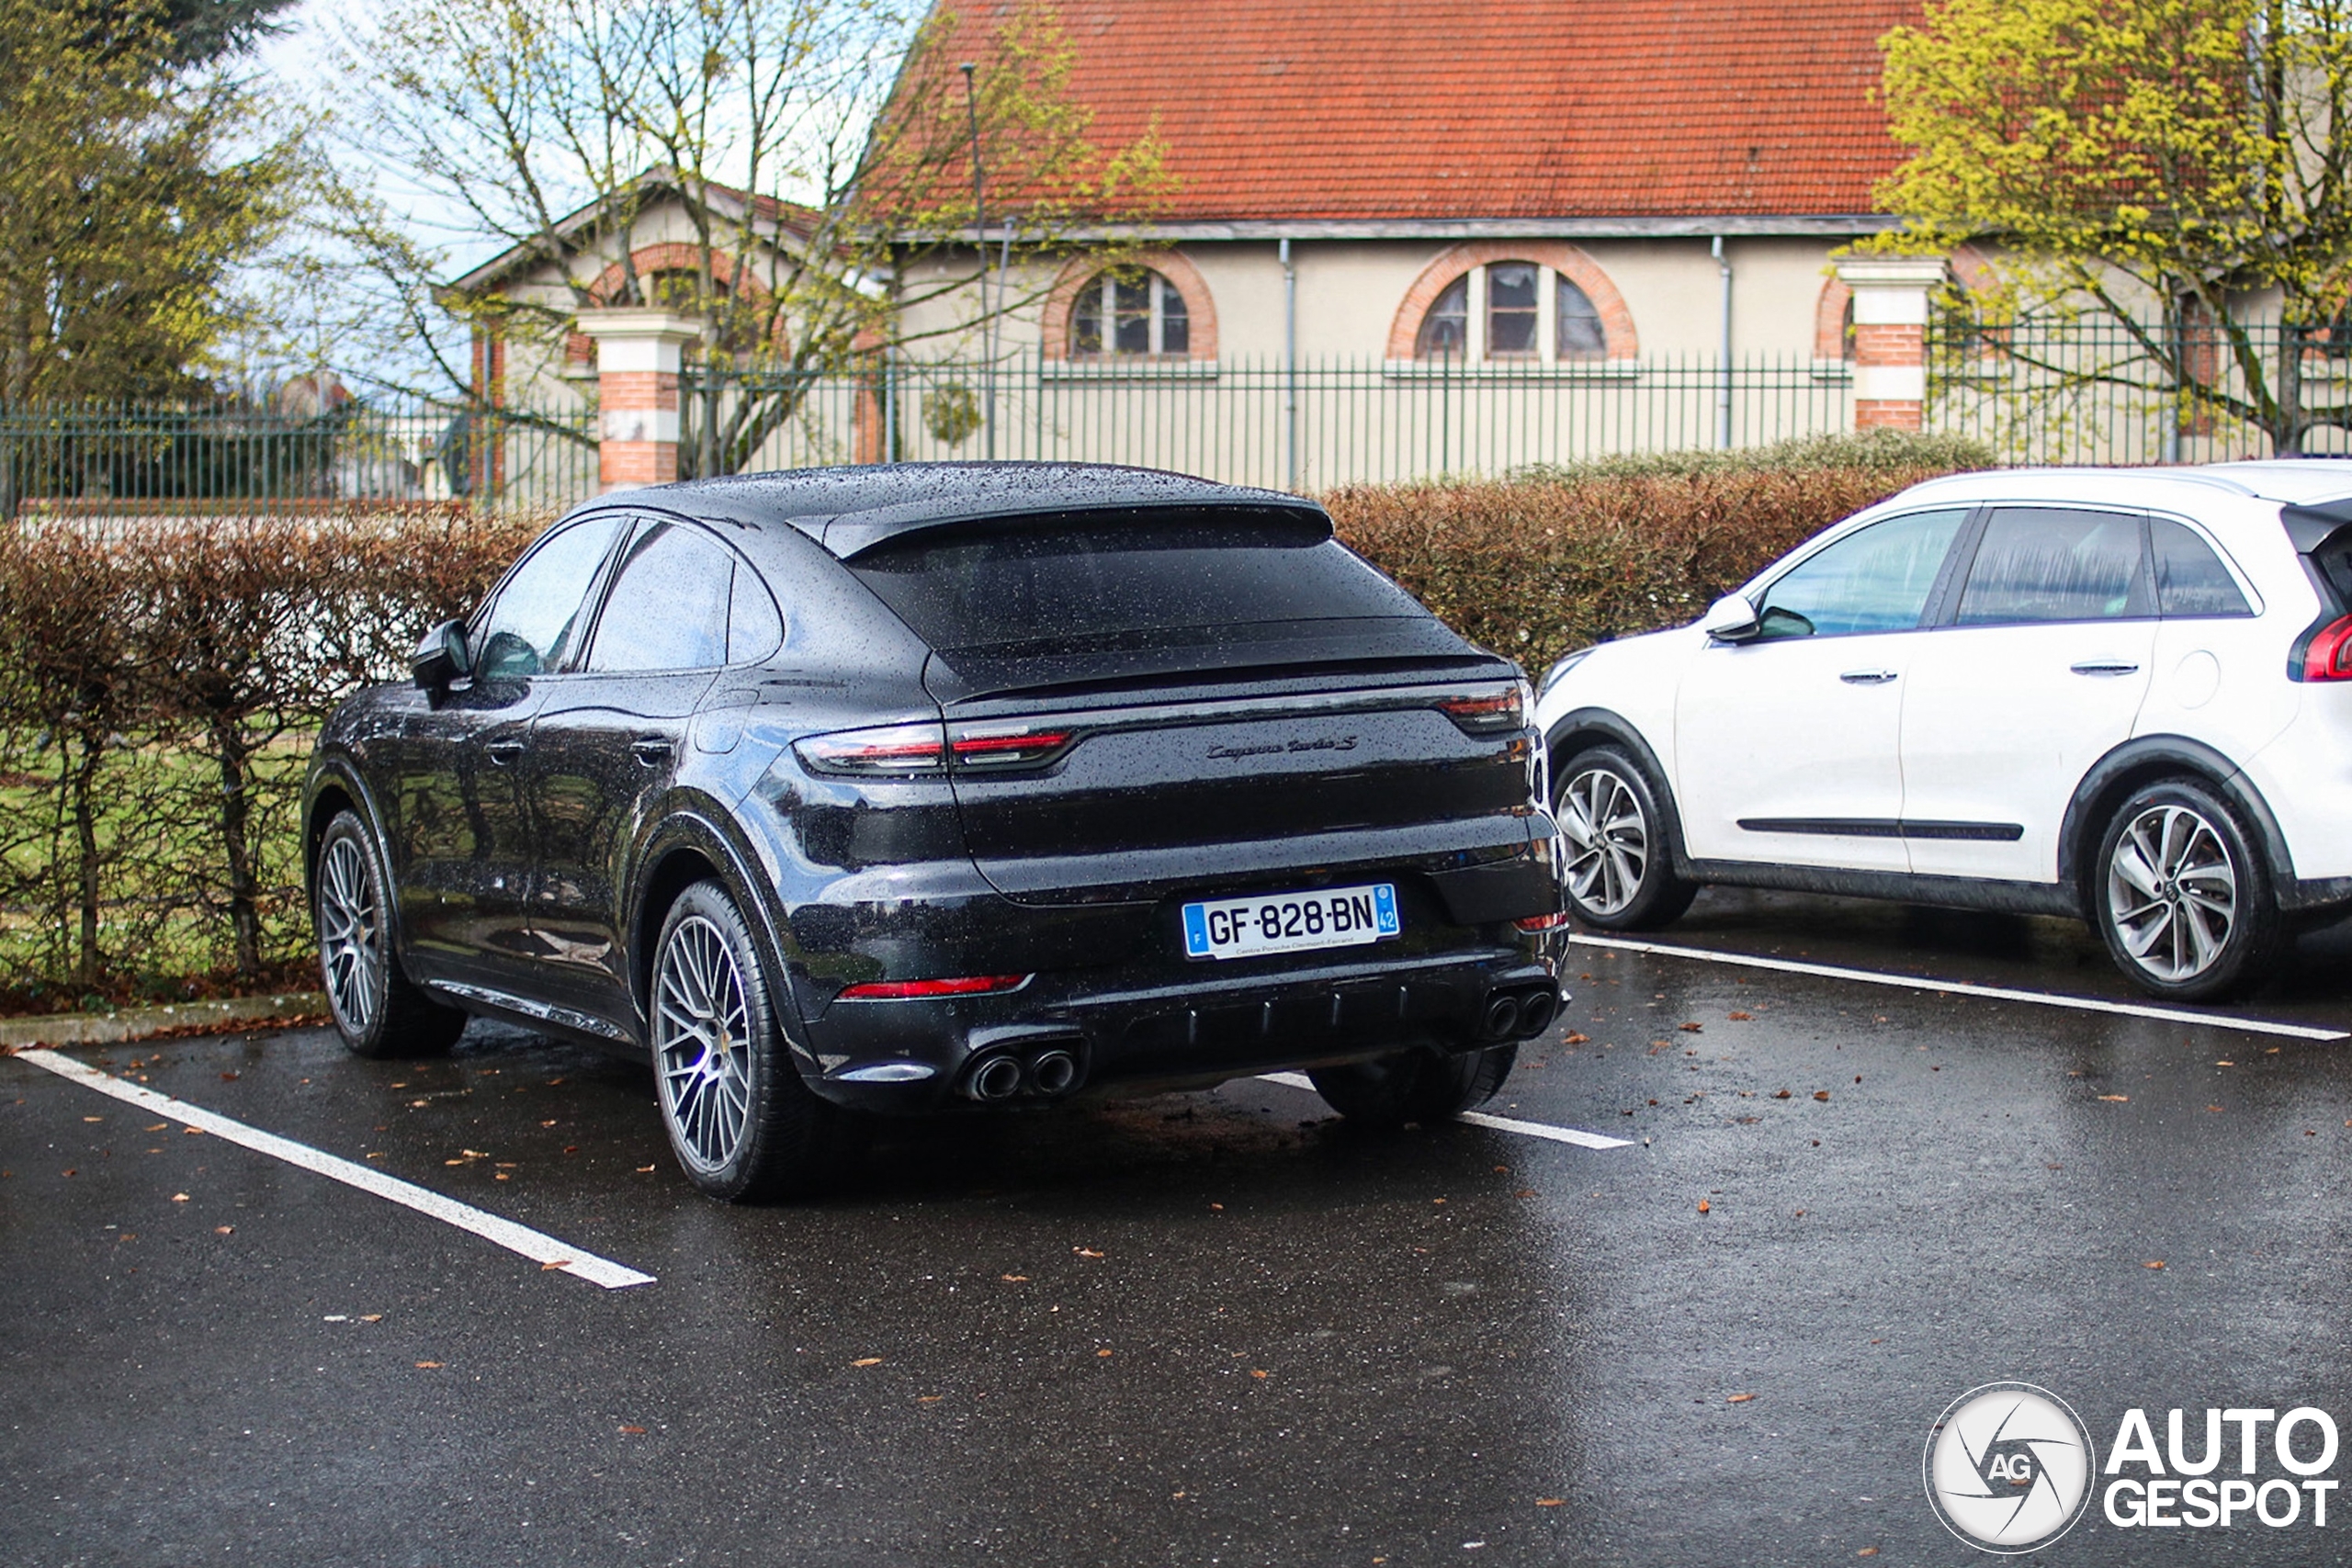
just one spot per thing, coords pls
(898, 789)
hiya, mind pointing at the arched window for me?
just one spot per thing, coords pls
(1129, 311)
(1580, 333)
(1445, 331)
(1510, 306)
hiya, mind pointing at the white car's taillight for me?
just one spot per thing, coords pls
(2328, 657)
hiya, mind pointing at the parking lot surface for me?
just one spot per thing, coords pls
(1211, 1328)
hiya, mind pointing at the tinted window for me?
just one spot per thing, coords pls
(533, 623)
(1065, 582)
(667, 609)
(1876, 580)
(2054, 564)
(754, 630)
(2190, 579)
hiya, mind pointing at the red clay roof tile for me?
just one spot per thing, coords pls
(1369, 109)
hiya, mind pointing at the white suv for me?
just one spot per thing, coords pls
(2121, 694)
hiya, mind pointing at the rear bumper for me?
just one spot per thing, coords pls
(1140, 1029)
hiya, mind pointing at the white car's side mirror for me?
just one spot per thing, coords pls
(1731, 619)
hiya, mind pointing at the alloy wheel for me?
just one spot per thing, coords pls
(351, 949)
(2172, 893)
(1602, 818)
(702, 1043)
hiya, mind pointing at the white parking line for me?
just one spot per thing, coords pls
(1960, 988)
(1480, 1118)
(540, 1248)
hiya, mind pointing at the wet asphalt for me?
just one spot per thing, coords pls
(1219, 1328)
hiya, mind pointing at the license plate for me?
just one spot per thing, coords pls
(1290, 922)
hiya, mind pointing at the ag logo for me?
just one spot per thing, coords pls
(2009, 1467)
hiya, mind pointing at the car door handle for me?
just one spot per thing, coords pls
(2104, 667)
(1867, 677)
(502, 752)
(651, 750)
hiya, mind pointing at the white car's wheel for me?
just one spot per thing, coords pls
(1617, 866)
(2180, 895)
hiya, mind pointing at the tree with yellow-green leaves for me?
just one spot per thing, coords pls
(2181, 168)
(134, 180)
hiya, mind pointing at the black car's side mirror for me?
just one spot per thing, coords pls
(442, 657)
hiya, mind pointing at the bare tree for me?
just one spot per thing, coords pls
(795, 163)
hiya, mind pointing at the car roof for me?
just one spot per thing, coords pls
(847, 510)
(2294, 481)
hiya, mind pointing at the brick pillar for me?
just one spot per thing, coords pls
(639, 355)
(1891, 338)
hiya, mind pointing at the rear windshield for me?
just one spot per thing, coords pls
(1078, 581)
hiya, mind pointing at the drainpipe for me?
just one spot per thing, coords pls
(980, 240)
(1722, 391)
(1290, 369)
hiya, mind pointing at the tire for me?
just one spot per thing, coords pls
(2181, 896)
(377, 1010)
(1620, 871)
(1415, 1085)
(743, 1127)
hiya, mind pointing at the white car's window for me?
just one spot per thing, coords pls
(2054, 563)
(1875, 580)
(533, 623)
(669, 603)
(2190, 579)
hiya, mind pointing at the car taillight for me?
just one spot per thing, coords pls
(2329, 655)
(1543, 922)
(1495, 714)
(985, 751)
(897, 751)
(905, 990)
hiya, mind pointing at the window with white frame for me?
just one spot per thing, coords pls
(1499, 312)
(1129, 311)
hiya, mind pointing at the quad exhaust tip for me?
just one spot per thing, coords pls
(998, 1078)
(1054, 1072)
(1520, 1014)
(1502, 1016)
(1536, 1013)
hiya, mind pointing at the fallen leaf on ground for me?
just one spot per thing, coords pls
(224, 1230)
(556, 1263)
(226, 1078)
(371, 1317)
(641, 1170)
(427, 1366)
(928, 1398)
(1099, 1353)
(1702, 1205)
(1692, 1027)
(634, 1431)
(1085, 1252)
(179, 1197)
(2225, 1064)
(1551, 1502)
(1867, 1551)
(1257, 1372)
(2116, 1099)
(1577, 1040)
(193, 1132)
(1014, 1279)
(93, 1118)
(868, 1362)
(2217, 1107)
(1783, 1095)
(1741, 1017)
(2154, 1263)
(156, 1128)
(1821, 1094)
(1530, 1191)
(1739, 1399)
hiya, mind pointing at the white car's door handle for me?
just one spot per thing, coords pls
(2105, 667)
(1867, 677)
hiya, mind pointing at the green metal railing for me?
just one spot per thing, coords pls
(115, 460)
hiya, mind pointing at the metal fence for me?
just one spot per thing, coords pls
(2100, 390)
(2042, 391)
(1308, 426)
(125, 461)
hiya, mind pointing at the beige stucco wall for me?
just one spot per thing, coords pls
(1349, 291)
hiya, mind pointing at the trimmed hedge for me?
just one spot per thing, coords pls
(160, 681)
(1557, 559)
